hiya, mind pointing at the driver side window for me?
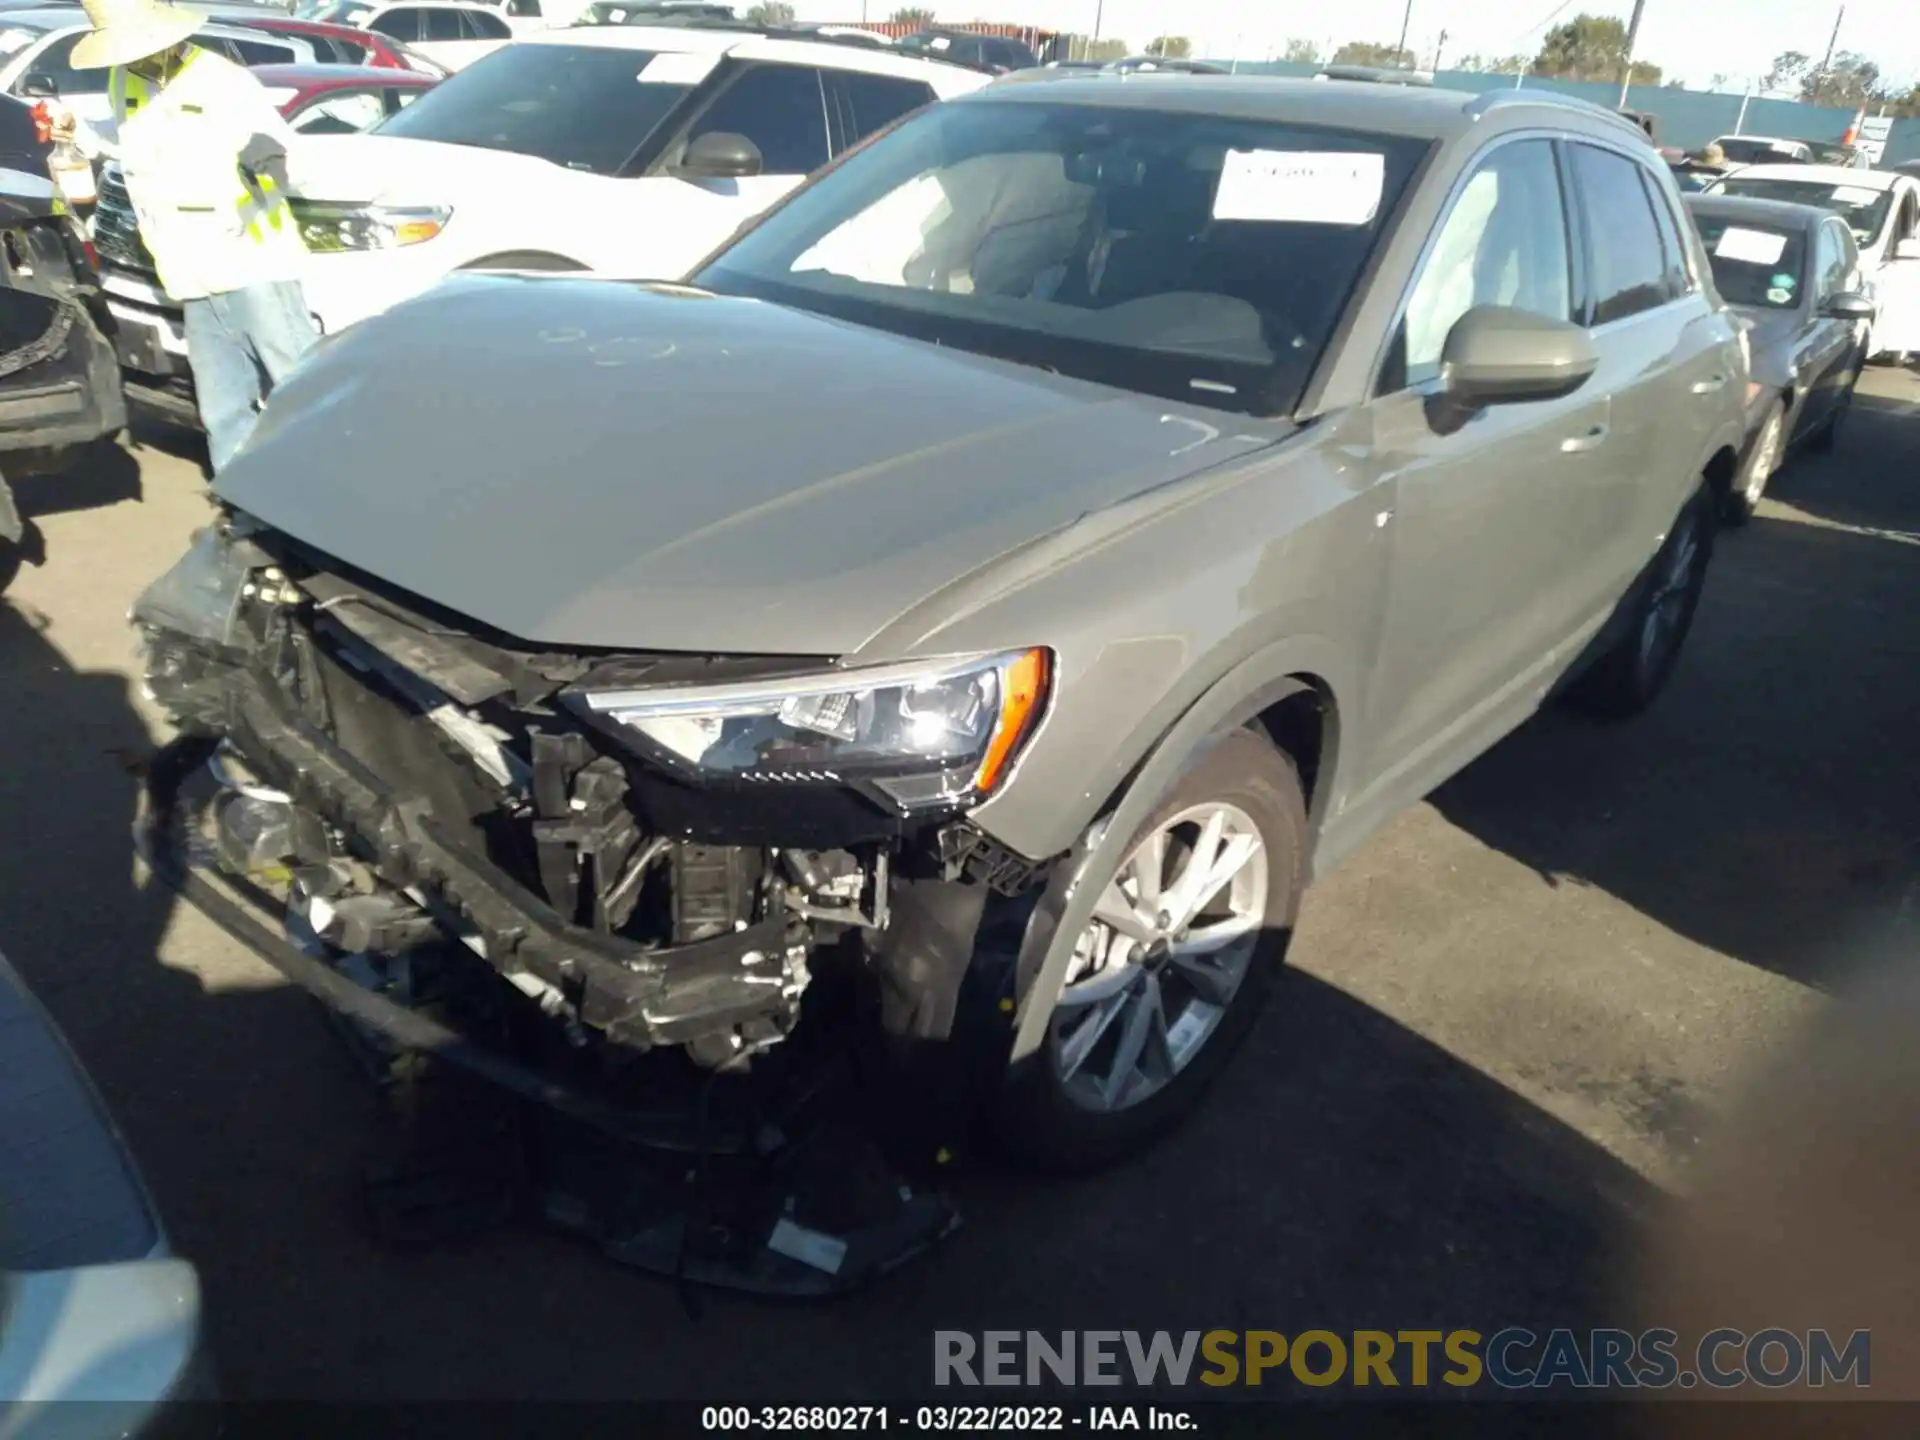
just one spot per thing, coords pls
(1504, 242)
(55, 62)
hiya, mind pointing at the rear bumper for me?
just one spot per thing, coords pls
(69, 398)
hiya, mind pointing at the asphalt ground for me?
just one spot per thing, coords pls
(1511, 1021)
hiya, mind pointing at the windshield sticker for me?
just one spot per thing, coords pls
(1301, 187)
(939, 42)
(1783, 282)
(1856, 195)
(1779, 295)
(1750, 247)
(675, 67)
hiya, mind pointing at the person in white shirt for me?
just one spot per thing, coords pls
(203, 154)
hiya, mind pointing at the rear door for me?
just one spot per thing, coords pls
(1487, 525)
(1668, 369)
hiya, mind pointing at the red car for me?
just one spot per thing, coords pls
(340, 99)
(344, 44)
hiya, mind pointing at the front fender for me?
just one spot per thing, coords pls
(1261, 681)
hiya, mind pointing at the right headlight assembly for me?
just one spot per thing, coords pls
(328, 228)
(925, 734)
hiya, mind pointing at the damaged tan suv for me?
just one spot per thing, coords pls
(991, 587)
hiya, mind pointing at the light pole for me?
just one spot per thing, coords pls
(1406, 21)
(1633, 35)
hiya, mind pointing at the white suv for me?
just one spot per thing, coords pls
(630, 151)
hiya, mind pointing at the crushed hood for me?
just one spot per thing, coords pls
(593, 463)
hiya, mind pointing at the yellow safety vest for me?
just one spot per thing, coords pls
(189, 220)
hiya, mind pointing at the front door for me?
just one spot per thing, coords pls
(1898, 281)
(1482, 547)
(1827, 366)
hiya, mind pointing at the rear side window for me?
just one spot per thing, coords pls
(1504, 242)
(781, 109)
(484, 25)
(875, 101)
(1629, 262)
(255, 52)
(402, 24)
(1679, 280)
(444, 25)
(529, 8)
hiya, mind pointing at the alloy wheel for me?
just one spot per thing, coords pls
(1168, 948)
(1664, 619)
(1766, 457)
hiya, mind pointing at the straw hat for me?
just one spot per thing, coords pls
(128, 30)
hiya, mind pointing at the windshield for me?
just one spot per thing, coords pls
(1759, 265)
(1178, 254)
(582, 107)
(1863, 208)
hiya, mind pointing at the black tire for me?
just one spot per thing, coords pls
(1825, 438)
(1626, 678)
(1036, 1122)
(1767, 454)
(523, 260)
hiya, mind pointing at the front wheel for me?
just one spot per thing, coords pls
(1762, 460)
(1625, 680)
(1170, 974)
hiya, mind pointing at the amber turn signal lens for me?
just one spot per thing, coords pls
(1023, 695)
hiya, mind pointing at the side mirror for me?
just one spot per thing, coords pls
(1848, 305)
(1907, 250)
(720, 155)
(39, 86)
(1499, 356)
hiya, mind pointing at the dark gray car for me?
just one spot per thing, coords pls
(1034, 551)
(94, 1306)
(1792, 273)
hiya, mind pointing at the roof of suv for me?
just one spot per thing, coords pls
(1344, 104)
(754, 45)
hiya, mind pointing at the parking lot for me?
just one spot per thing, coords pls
(1512, 1016)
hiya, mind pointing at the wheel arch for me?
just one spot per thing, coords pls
(1290, 694)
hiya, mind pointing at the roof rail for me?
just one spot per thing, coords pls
(669, 20)
(1491, 100)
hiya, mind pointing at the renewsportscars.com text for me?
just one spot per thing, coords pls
(1514, 1358)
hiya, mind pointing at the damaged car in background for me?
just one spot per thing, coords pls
(59, 379)
(921, 658)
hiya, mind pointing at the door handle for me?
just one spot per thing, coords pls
(1579, 444)
(1707, 387)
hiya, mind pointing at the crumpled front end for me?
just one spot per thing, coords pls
(654, 850)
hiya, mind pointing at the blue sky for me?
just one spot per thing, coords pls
(1692, 39)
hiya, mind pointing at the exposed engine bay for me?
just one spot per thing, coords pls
(419, 797)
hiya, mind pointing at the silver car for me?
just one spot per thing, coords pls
(1016, 566)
